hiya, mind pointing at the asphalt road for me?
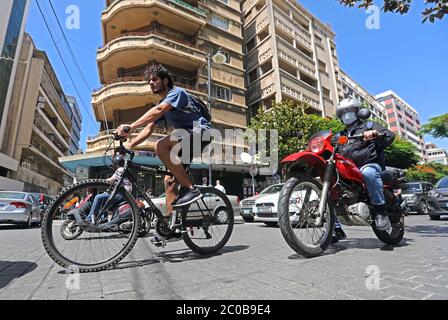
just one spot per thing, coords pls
(256, 264)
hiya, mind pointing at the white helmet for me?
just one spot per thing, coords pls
(347, 110)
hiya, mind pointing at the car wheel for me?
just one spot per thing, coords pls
(423, 209)
(248, 219)
(271, 224)
(28, 222)
(434, 217)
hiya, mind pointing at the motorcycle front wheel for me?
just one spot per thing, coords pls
(297, 212)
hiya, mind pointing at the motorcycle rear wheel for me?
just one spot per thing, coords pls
(393, 235)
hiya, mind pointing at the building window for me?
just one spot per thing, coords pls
(220, 22)
(221, 93)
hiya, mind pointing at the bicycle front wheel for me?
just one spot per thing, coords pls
(87, 245)
(208, 223)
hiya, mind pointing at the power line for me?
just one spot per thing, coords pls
(69, 47)
(63, 62)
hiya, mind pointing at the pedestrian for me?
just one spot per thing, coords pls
(220, 187)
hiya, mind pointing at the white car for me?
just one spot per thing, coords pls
(247, 205)
(160, 203)
(266, 207)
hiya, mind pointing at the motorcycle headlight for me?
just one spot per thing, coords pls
(317, 145)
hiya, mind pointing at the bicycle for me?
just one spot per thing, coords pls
(205, 225)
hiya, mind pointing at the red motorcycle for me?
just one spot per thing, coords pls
(322, 185)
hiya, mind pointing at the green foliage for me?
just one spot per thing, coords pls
(437, 127)
(435, 9)
(401, 154)
(288, 117)
(430, 172)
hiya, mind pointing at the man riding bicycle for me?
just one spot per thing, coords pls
(180, 111)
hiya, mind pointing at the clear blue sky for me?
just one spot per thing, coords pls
(403, 55)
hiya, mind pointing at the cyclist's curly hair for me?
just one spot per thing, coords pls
(161, 72)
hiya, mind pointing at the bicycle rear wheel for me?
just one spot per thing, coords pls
(208, 223)
(71, 241)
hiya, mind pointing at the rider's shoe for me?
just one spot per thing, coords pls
(382, 221)
(182, 192)
(192, 195)
(338, 234)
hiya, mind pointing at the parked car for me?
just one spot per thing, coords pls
(438, 200)
(265, 208)
(160, 202)
(18, 208)
(415, 194)
(248, 204)
(43, 201)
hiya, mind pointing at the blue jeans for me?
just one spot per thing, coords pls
(372, 177)
(99, 201)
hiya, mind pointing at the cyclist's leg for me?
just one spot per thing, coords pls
(171, 186)
(163, 150)
(97, 203)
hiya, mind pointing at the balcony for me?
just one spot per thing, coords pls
(129, 93)
(136, 49)
(134, 14)
(101, 141)
(299, 90)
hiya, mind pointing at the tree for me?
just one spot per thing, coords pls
(401, 154)
(430, 172)
(437, 127)
(435, 9)
(288, 117)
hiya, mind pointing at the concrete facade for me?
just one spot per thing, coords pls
(38, 126)
(289, 55)
(403, 119)
(436, 154)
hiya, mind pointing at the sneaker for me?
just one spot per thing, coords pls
(338, 234)
(182, 192)
(192, 195)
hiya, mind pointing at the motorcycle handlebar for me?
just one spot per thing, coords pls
(361, 136)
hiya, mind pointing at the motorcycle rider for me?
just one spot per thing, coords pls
(368, 154)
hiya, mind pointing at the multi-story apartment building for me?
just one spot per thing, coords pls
(403, 119)
(38, 125)
(436, 154)
(351, 89)
(13, 16)
(289, 55)
(76, 125)
(180, 34)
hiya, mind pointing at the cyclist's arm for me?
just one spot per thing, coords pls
(142, 136)
(152, 115)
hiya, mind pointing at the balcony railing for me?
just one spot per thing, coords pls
(162, 34)
(181, 4)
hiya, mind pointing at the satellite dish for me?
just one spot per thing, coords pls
(219, 58)
(247, 158)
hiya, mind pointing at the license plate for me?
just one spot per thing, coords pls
(248, 211)
(264, 210)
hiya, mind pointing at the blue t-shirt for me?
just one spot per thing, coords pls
(184, 112)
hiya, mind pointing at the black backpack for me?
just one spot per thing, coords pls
(202, 107)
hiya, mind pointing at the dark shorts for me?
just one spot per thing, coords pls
(194, 150)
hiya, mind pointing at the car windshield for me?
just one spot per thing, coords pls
(443, 183)
(12, 195)
(412, 187)
(272, 189)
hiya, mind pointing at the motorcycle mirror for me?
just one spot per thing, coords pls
(342, 140)
(364, 114)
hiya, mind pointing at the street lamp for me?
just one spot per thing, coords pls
(218, 58)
